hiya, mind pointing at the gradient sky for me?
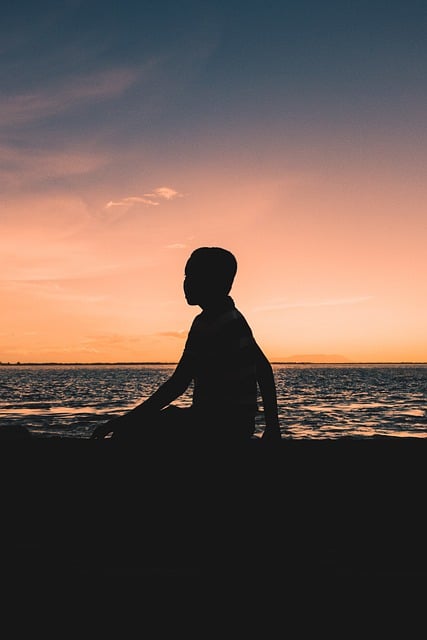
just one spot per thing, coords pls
(292, 133)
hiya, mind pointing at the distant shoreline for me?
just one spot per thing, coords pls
(129, 364)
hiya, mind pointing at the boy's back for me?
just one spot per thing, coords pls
(221, 350)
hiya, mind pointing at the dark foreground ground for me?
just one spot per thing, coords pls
(306, 511)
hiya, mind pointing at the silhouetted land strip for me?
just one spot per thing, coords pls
(348, 508)
(82, 364)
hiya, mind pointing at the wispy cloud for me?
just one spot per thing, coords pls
(177, 245)
(27, 107)
(173, 334)
(108, 339)
(23, 165)
(41, 288)
(327, 302)
(166, 193)
(149, 199)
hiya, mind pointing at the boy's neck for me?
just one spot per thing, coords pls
(216, 303)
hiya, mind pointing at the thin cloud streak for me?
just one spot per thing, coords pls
(51, 290)
(314, 303)
(173, 334)
(128, 202)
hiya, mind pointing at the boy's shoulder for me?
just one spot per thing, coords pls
(228, 319)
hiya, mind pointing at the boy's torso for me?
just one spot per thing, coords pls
(222, 349)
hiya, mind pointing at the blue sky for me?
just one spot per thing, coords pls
(229, 63)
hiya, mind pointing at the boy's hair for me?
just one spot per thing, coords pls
(215, 264)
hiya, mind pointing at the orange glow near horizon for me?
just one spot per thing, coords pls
(159, 129)
(325, 267)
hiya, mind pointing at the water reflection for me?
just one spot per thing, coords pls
(315, 401)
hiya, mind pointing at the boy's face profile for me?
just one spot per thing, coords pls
(193, 288)
(198, 285)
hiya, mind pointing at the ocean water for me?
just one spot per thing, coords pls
(315, 401)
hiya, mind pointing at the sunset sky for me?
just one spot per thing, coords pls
(292, 133)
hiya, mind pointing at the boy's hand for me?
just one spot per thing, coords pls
(113, 426)
(271, 436)
(127, 422)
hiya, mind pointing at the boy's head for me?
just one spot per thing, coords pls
(209, 275)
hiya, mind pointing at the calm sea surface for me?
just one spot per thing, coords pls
(315, 401)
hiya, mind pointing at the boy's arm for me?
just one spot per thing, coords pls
(164, 395)
(169, 390)
(267, 387)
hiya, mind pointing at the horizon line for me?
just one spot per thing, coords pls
(173, 362)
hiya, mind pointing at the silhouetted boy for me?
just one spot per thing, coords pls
(221, 358)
